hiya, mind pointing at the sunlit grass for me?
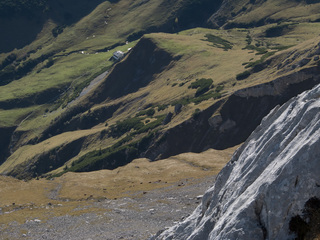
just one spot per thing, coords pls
(13, 116)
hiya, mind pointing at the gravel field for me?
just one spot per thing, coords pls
(136, 217)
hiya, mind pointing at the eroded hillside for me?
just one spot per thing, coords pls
(172, 93)
(269, 188)
(196, 76)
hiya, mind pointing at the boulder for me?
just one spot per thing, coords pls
(167, 118)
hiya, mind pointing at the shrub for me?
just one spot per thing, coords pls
(182, 101)
(152, 125)
(202, 85)
(125, 126)
(261, 60)
(260, 50)
(149, 112)
(219, 88)
(58, 30)
(248, 39)
(106, 159)
(8, 60)
(243, 75)
(7, 75)
(211, 94)
(49, 63)
(162, 107)
(112, 157)
(218, 42)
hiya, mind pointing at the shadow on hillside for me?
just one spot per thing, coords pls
(18, 32)
(21, 27)
(135, 72)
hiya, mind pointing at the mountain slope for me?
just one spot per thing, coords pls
(97, 197)
(156, 83)
(188, 91)
(270, 187)
(255, 13)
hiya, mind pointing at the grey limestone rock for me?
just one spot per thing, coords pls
(266, 183)
(167, 118)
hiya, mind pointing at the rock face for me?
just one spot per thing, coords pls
(267, 182)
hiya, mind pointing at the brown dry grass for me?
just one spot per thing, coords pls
(73, 193)
(142, 175)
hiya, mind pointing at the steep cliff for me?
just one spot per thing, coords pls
(271, 184)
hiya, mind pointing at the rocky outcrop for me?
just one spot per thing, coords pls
(268, 182)
(238, 116)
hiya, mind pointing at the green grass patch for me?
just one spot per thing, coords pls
(122, 127)
(214, 94)
(136, 124)
(162, 107)
(260, 50)
(104, 159)
(248, 39)
(148, 112)
(207, 96)
(219, 88)
(74, 72)
(182, 101)
(12, 117)
(261, 60)
(202, 85)
(218, 42)
(110, 158)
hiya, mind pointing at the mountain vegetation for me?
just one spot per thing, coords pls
(48, 104)
(278, 189)
(196, 75)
